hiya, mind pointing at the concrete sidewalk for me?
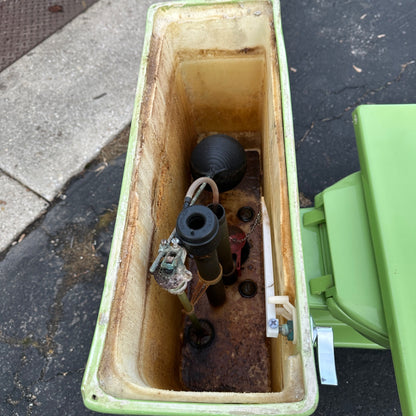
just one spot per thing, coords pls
(71, 95)
(61, 103)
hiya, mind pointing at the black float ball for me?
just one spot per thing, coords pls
(220, 157)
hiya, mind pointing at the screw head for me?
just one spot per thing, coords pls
(273, 323)
(175, 242)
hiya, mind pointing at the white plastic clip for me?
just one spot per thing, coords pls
(272, 323)
(287, 310)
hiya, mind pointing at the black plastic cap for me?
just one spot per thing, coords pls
(219, 212)
(197, 228)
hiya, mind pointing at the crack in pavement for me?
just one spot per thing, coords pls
(346, 88)
(24, 392)
(77, 245)
(64, 374)
(355, 104)
(25, 342)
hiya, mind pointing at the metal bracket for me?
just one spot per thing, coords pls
(169, 268)
(323, 337)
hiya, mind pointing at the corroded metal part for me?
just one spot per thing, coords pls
(169, 268)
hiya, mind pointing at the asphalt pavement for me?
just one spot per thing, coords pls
(341, 54)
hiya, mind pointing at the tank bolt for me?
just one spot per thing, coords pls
(247, 288)
(245, 214)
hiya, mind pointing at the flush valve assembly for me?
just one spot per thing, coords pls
(218, 163)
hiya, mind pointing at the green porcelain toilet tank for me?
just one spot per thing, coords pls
(208, 67)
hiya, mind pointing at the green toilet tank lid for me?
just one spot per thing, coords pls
(386, 141)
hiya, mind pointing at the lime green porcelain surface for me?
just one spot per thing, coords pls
(386, 140)
(349, 277)
(344, 335)
(321, 310)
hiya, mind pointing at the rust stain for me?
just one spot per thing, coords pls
(186, 55)
(248, 50)
(239, 359)
(56, 8)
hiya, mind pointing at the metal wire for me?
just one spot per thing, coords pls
(256, 222)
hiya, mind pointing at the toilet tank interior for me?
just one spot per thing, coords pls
(209, 70)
